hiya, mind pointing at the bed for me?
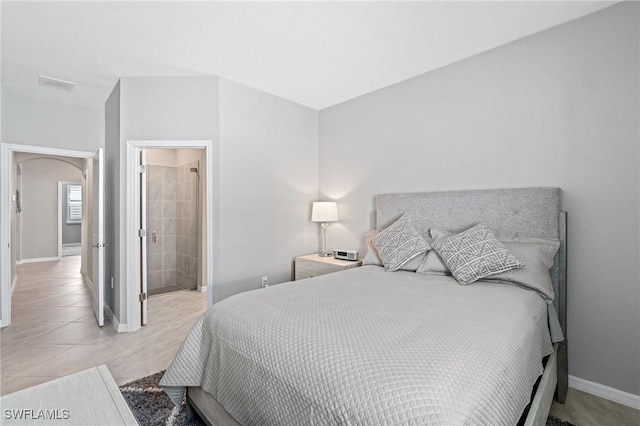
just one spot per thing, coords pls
(365, 346)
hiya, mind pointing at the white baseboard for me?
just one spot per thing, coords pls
(13, 283)
(117, 326)
(40, 259)
(606, 392)
(19, 262)
(203, 288)
(114, 321)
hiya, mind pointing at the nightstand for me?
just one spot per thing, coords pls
(312, 265)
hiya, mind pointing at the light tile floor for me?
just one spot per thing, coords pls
(583, 409)
(54, 332)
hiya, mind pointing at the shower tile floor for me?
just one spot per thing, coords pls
(161, 290)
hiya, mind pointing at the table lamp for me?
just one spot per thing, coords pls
(324, 212)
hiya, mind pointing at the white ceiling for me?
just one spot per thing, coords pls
(315, 53)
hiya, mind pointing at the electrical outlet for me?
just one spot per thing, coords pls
(265, 281)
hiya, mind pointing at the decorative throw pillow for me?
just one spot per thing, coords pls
(537, 254)
(399, 243)
(474, 254)
(372, 257)
(432, 264)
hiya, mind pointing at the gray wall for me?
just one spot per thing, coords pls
(48, 118)
(40, 177)
(71, 232)
(111, 199)
(154, 108)
(45, 117)
(268, 179)
(559, 108)
(267, 173)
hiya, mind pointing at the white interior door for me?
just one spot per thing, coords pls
(143, 235)
(97, 236)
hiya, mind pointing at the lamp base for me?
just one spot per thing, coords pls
(323, 249)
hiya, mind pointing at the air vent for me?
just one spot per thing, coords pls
(54, 83)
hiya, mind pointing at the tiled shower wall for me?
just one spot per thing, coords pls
(172, 203)
(161, 220)
(187, 226)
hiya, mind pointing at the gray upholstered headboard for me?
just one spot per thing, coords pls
(509, 213)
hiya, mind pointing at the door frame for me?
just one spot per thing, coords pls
(6, 154)
(130, 199)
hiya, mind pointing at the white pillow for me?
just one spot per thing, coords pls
(537, 254)
(432, 264)
(371, 257)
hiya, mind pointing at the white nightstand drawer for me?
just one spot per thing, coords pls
(313, 265)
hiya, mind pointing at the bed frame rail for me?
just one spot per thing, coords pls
(541, 403)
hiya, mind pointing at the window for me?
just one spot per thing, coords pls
(74, 203)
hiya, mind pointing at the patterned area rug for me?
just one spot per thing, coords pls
(152, 407)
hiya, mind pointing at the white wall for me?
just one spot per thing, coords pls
(268, 180)
(559, 108)
(39, 215)
(50, 118)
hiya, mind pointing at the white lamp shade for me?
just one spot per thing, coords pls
(324, 211)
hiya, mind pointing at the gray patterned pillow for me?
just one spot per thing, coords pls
(474, 254)
(399, 243)
(372, 257)
(537, 254)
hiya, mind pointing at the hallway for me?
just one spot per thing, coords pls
(54, 332)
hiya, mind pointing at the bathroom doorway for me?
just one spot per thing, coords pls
(174, 220)
(138, 236)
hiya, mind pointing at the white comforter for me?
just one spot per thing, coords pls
(368, 347)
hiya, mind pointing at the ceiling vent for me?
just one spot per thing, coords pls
(54, 83)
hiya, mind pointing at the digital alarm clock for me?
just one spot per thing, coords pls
(345, 254)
